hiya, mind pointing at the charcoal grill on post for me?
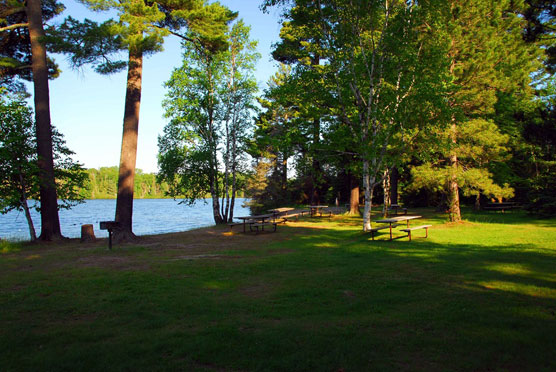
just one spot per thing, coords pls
(110, 226)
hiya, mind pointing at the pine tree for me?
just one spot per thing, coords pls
(142, 27)
(487, 56)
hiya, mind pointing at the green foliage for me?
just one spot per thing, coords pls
(15, 50)
(102, 183)
(19, 171)
(87, 42)
(18, 167)
(19, 160)
(209, 103)
(490, 68)
(541, 28)
(479, 145)
(9, 247)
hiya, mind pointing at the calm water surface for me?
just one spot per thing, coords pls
(150, 216)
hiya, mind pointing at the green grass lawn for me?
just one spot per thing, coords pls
(317, 295)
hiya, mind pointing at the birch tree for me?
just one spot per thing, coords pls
(209, 103)
(386, 58)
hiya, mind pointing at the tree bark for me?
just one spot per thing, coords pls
(394, 175)
(316, 171)
(128, 155)
(25, 206)
(284, 172)
(367, 188)
(386, 187)
(87, 233)
(453, 187)
(50, 222)
(353, 195)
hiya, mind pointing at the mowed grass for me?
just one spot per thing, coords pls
(317, 295)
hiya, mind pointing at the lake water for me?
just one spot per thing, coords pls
(150, 216)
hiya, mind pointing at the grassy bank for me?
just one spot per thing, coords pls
(316, 295)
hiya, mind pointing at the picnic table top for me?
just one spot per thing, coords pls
(318, 206)
(397, 219)
(278, 210)
(255, 217)
(501, 203)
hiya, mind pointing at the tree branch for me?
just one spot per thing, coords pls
(14, 26)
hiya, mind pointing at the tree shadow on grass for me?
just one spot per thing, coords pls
(428, 305)
(514, 217)
(333, 299)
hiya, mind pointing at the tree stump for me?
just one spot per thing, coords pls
(87, 233)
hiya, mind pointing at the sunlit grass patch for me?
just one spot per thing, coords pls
(9, 247)
(520, 288)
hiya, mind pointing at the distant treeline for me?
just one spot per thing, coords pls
(102, 183)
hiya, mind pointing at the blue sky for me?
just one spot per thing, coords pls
(88, 108)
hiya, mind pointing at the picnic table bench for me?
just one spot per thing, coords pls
(408, 230)
(256, 221)
(262, 225)
(394, 222)
(375, 229)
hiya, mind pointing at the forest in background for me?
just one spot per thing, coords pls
(102, 183)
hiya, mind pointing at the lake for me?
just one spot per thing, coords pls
(150, 216)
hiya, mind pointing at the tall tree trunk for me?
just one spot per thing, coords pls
(353, 195)
(453, 187)
(368, 183)
(29, 220)
(386, 188)
(215, 204)
(394, 176)
(25, 206)
(284, 173)
(316, 172)
(234, 172)
(128, 156)
(50, 222)
(214, 187)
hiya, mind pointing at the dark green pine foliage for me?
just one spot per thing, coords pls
(541, 28)
(306, 90)
(488, 60)
(15, 44)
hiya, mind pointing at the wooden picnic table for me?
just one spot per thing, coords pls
(501, 206)
(314, 209)
(395, 208)
(279, 211)
(256, 219)
(395, 220)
